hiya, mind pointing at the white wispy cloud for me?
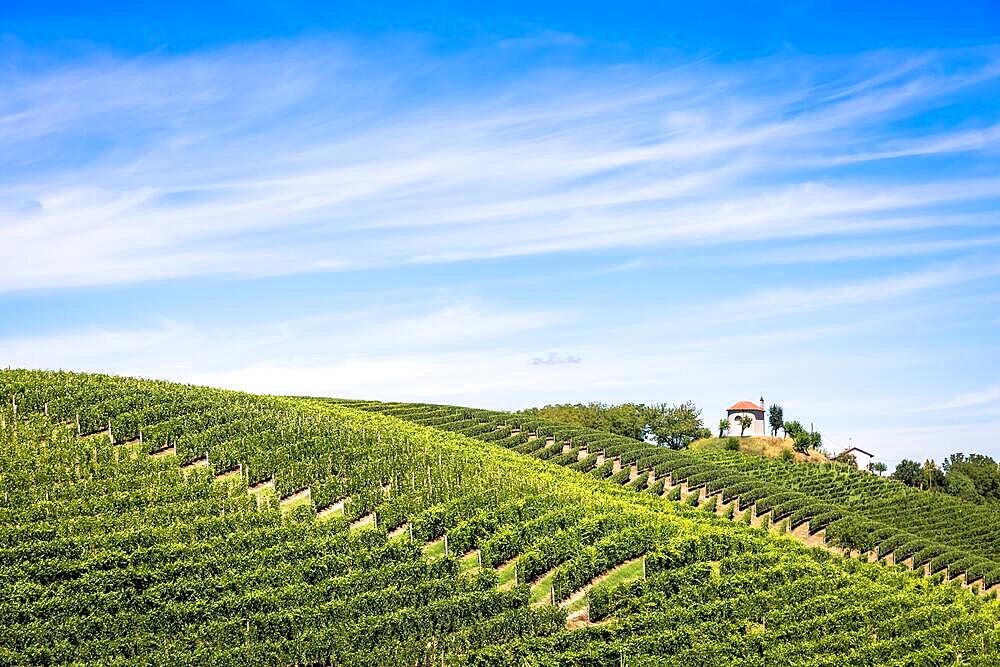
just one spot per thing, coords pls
(974, 399)
(781, 302)
(329, 155)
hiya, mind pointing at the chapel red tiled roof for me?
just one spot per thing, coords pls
(745, 405)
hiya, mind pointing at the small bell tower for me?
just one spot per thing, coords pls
(763, 418)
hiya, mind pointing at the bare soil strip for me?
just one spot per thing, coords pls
(332, 509)
(233, 473)
(166, 451)
(261, 485)
(399, 531)
(366, 520)
(298, 496)
(203, 461)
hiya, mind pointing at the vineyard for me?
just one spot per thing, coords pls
(149, 523)
(838, 505)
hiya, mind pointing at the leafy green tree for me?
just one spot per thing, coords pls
(960, 485)
(776, 419)
(793, 430)
(931, 476)
(815, 440)
(877, 467)
(804, 440)
(723, 426)
(980, 470)
(676, 426)
(745, 422)
(908, 472)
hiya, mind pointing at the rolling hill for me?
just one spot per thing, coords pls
(845, 508)
(150, 523)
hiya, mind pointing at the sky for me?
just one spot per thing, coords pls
(504, 205)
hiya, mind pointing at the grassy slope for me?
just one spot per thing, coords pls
(855, 509)
(763, 446)
(110, 555)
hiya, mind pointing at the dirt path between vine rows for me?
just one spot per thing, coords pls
(579, 593)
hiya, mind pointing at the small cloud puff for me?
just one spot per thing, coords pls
(555, 359)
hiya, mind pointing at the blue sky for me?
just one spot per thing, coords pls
(505, 207)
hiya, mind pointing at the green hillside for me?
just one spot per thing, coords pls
(152, 523)
(846, 508)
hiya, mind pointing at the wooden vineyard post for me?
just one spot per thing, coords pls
(644, 568)
(375, 519)
(111, 437)
(409, 527)
(140, 438)
(446, 544)
(515, 574)
(552, 593)
(46, 408)
(479, 558)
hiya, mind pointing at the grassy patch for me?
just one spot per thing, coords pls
(469, 562)
(541, 590)
(761, 446)
(617, 576)
(506, 573)
(339, 512)
(577, 605)
(629, 572)
(434, 549)
(298, 502)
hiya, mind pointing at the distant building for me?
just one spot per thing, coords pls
(750, 409)
(862, 457)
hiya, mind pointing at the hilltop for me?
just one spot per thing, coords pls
(758, 445)
(144, 522)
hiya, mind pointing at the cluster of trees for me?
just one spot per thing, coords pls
(975, 477)
(877, 467)
(804, 440)
(674, 426)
